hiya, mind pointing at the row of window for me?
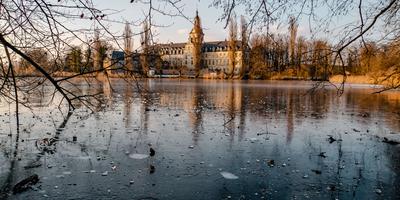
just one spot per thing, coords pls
(206, 55)
(172, 52)
(216, 62)
(181, 51)
(225, 69)
(207, 63)
(219, 54)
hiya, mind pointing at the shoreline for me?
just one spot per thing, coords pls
(335, 79)
(358, 79)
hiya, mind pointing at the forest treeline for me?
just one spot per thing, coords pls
(273, 56)
(277, 56)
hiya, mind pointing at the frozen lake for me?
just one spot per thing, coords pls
(212, 140)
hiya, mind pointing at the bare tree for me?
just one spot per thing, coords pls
(87, 64)
(38, 55)
(128, 46)
(145, 43)
(244, 47)
(292, 42)
(98, 64)
(320, 62)
(279, 52)
(232, 46)
(301, 56)
(73, 60)
(259, 57)
(369, 52)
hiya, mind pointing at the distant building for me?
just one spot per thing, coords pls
(181, 57)
(117, 59)
(118, 62)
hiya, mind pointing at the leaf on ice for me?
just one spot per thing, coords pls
(138, 156)
(228, 175)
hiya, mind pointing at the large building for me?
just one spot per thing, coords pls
(213, 56)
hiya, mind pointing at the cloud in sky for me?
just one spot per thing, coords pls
(183, 31)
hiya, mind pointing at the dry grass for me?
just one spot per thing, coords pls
(353, 79)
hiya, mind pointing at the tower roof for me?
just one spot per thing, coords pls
(197, 24)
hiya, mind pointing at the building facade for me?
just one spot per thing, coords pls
(213, 56)
(210, 56)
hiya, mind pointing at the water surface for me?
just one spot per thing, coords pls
(213, 140)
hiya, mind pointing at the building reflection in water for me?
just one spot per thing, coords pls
(128, 100)
(289, 117)
(107, 89)
(195, 112)
(244, 94)
(230, 115)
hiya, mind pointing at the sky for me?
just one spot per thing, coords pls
(174, 29)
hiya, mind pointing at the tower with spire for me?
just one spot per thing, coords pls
(196, 38)
(196, 35)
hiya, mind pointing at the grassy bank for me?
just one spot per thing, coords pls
(353, 79)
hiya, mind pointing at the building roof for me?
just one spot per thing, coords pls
(207, 46)
(117, 55)
(218, 46)
(171, 45)
(197, 25)
(120, 55)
